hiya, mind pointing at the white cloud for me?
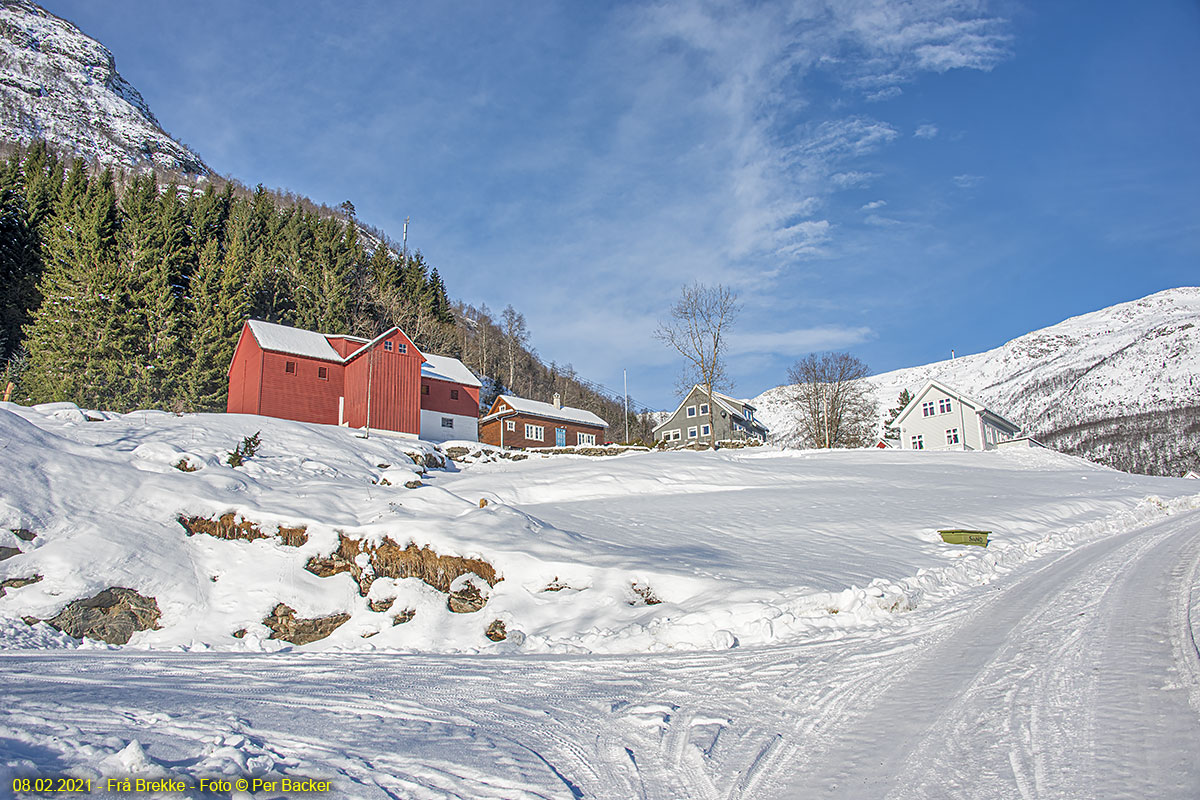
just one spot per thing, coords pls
(967, 181)
(885, 94)
(926, 131)
(798, 341)
(874, 204)
(881, 221)
(852, 179)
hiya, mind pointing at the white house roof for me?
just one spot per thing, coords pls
(962, 398)
(540, 409)
(297, 342)
(446, 368)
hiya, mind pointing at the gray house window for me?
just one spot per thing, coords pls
(704, 430)
(691, 411)
(704, 408)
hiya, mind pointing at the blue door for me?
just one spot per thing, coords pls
(560, 437)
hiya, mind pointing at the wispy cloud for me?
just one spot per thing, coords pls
(874, 204)
(798, 341)
(966, 181)
(926, 131)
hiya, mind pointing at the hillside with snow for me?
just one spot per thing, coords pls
(1118, 385)
(59, 85)
(741, 623)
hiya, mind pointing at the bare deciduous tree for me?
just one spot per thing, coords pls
(835, 406)
(516, 336)
(698, 330)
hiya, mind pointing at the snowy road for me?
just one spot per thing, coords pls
(1077, 676)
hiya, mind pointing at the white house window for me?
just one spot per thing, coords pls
(692, 432)
(944, 405)
(691, 411)
(585, 438)
(704, 430)
(535, 432)
(952, 436)
(704, 408)
(447, 422)
(387, 345)
(927, 409)
(510, 425)
(918, 442)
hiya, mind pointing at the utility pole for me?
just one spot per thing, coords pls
(370, 364)
(625, 373)
(404, 241)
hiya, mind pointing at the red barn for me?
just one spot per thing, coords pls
(385, 383)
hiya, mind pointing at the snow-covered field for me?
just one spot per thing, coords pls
(815, 636)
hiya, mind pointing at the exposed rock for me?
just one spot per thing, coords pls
(404, 616)
(285, 625)
(24, 534)
(227, 526)
(380, 606)
(496, 631)
(384, 466)
(413, 485)
(389, 560)
(466, 600)
(30, 621)
(17, 583)
(483, 502)
(111, 616)
(369, 634)
(183, 465)
(645, 594)
(457, 453)
(555, 585)
(239, 633)
(9, 552)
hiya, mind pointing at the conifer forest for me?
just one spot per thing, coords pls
(123, 291)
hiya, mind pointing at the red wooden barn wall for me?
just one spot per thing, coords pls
(439, 399)
(395, 385)
(245, 374)
(300, 395)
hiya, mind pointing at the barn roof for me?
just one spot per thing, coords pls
(539, 409)
(297, 342)
(448, 369)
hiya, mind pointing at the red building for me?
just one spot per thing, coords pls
(385, 383)
(517, 422)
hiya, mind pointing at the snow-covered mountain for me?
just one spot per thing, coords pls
(60, 85)
(1133, 363)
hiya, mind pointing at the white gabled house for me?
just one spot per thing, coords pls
(941, 418)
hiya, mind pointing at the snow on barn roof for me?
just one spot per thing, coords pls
(446, 368)
(297, 342)
(547, 410)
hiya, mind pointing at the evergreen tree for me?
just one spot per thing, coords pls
(903, 400)
(206, 381)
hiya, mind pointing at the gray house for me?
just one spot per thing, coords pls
(733, 419)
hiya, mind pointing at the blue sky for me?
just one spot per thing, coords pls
(895, 179)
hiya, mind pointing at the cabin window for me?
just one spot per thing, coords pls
(918, 442)
(677, 435)
(387, 345)
(691, 411)
(510, 425)
(704, 408)
(401, 347)
(705, 430)
(424, 388)
(927, 409)
(454, 394)
(944, 405)
(289, 367)
(535, 432)
(952, 436)
(323, 373)
(692, 432)
(447, 422)
(585, 438)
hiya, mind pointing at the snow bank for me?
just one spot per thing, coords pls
(632, 553)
